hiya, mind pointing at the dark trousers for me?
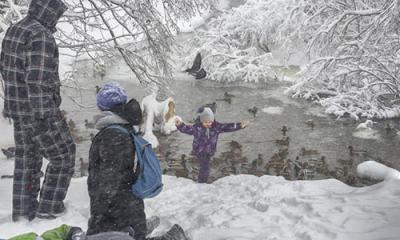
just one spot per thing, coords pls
(204, 162)
(49, 138)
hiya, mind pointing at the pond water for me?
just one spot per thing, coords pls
(315, 146)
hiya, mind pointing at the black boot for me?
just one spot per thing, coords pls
(152, 223)
(175, 233)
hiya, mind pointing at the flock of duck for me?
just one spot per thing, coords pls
(308, 164)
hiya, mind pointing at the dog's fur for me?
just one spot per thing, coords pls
(157, 116)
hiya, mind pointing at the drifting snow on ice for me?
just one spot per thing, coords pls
(273, 110)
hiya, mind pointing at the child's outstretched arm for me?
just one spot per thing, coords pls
(231, 127)
(183, 128)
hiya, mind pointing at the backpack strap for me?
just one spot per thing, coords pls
(132, 133)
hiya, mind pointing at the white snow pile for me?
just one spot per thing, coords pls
(376, 171)
(243, 43)
(247, 207)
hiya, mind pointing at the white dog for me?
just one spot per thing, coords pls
(157, 116)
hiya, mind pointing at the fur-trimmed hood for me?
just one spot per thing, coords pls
(107, 118)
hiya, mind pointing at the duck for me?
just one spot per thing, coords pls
(9, 152)
(253, 111)
(92, 136)
(168, 158)
(367, 125)
(97, 89)
(389, 128)
(305, 151)
(310, 123)
(88, 124)
(284, 130)
(235, 145)
(227, 98)
(284, 141)
(353, 152)
(346, 162)
(228, 95)
(71, 125)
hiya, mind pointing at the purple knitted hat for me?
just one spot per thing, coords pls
(110, 95)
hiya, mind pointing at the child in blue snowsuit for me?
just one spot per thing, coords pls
(205, 137)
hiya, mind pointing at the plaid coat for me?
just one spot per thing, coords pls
(29, 63)
(205, 140)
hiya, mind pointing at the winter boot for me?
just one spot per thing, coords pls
(152, 223)
(175, 233)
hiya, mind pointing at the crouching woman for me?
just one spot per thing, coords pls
(113, 207)
(112, 171)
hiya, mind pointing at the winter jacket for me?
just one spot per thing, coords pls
(29, 63)
(111, 175)
(205, 140)
(60, 233)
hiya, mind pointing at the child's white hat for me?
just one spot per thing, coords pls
(207, 115)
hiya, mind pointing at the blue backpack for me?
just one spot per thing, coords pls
(148, 183)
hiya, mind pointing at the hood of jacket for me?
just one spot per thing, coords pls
(47, 12)
(106, 118)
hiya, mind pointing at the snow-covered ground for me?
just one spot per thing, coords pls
(247, 207)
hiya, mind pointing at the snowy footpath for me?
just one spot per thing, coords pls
(248, 207)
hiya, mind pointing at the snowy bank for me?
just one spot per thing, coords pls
(248, 207)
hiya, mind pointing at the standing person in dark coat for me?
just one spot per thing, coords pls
(112, 169)
(205, 137)
(29, 67)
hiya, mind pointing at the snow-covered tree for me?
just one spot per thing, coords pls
(356, 66)
(243, 43)
(142, 32)
(350, 50)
